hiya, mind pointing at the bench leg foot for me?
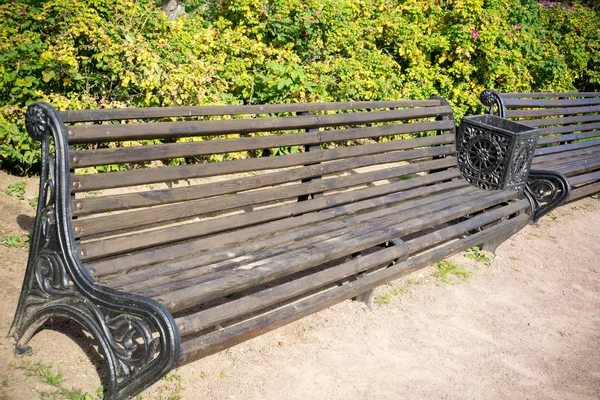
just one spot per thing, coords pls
(491, 245)
(366, 299)
(545, 191)
(20, 349)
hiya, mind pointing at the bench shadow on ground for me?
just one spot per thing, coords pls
(25, 222)
(82, 338)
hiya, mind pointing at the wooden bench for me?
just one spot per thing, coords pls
(569, 143)
(300, 207)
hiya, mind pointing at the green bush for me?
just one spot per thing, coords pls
(115, 53)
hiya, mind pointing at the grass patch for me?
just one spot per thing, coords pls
(17, 190)
(172, 376)
(223, 375)
(54, 378)
(33, 202)
(447, 268)
(386, 298)
(46, 372)
(475, 253)
(15, 241)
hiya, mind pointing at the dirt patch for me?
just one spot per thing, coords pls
(526, 325)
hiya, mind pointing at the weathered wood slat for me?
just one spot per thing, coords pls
(583, 191)
(257, 301)
(562, 120)
(257, 248)
(568, 138)
(191, 208)
(195, 111)
(551, 112)
(170, 130)
(534, 103)
(585, 178)
(565, 147)
(224, 338)
(577, 167)
(136, 177)
(540, 160)
(246, 254)
(121, 155)
(242, 279)
(338, 205)
(569, 129)
(535, 95)
(137, 241)
(568, 157)
(165, 196)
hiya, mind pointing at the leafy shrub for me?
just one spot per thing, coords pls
(116, 53)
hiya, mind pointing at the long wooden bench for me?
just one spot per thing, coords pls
(569, 124)
(278, 212)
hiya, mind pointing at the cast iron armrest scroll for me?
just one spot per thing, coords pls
(546, 190)
(138, 336)
(493, 100)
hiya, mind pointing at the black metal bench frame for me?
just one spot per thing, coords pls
(138, 336)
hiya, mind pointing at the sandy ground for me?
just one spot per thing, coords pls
(526, 326)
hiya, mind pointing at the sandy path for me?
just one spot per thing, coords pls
(525, 327)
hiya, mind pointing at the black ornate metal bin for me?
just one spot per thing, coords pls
(494, 153)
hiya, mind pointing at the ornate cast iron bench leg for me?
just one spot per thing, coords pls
(366, 298)
(546, 190)
(138, 337)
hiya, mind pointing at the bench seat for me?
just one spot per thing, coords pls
(202, 227)
(234, 280)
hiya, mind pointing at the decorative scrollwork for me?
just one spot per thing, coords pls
(138, 336)
(133, 343)
(482, 157)
(546, 190)
(483, 154)
(519, 171)
(36, 122)
(493, 100)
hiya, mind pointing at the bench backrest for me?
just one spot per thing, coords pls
(244, 165)
(567, 121)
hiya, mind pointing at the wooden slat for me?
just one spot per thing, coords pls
(584, 179)
(551, 111)
(568, 138)
(541, 160)
(170, 130)
(570, 156)
(578, 167)
(242, 279)
(338, 205)
(120, 155)
(532, 95)
(531, 103)
(221, 339)
(569, 129)
(195, 111)
(566, 147)
(94, 226)
(244, 255)
(297, 235)
(265, 298)
(583, 191)
(561, 120)
(165, 196)
(135, 177)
